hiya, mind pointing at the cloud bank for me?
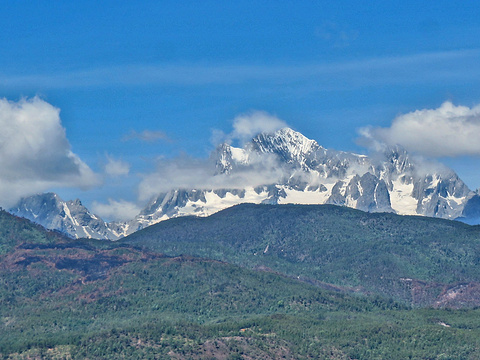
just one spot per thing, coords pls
(192, 173)
(35, 154)
(116, 210)
(446, 131)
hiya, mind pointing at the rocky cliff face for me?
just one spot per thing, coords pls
(68, 217)
(300, 171)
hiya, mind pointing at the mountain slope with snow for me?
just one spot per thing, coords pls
(286, 167)
(69, 217)
(310, 174)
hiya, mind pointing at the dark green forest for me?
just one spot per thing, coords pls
(412, 259)
(84, 299)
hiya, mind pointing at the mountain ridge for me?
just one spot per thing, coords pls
(69, 217)
(287, 167)
(420, 260)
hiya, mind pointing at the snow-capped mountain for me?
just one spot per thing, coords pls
(286, 167)
(68, 217)
(310, 174)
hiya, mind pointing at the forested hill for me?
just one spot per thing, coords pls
(83, 299)
(15, 231)
(421, 260)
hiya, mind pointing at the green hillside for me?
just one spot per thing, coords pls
(416, 259)
(15, 230)
(78, 299)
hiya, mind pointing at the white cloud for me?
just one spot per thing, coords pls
(192, 173)
(35, 154)
(115, 167)
(116, 210)
(246, 126)
(446, 131)
(182, 172)
(218, 137)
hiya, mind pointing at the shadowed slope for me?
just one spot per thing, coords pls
(416, 259)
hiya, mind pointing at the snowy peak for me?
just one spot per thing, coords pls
(390, 181)
(291, 146)
(285, 140)
(223, 159)
(398, 160)
(42, 209)
(366, 192)
(227, 157)
(69, 217)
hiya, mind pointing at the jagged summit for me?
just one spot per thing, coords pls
(69, 217)
(399, 159)
(291, 146)
(390, 181)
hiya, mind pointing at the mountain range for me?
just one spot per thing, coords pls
(279, 168)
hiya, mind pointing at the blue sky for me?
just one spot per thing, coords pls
(138, 81)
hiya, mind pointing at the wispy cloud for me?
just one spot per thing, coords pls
(195, 173)
(425, 67)
(116, 210)
(146, 136)
(116, 167)
(247, 125)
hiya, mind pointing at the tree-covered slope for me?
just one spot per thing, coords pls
(82, 301)
(418, 259)
(75, 299)
(15, 230)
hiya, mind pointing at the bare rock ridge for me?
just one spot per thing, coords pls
(68, 217)
(294, 169)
